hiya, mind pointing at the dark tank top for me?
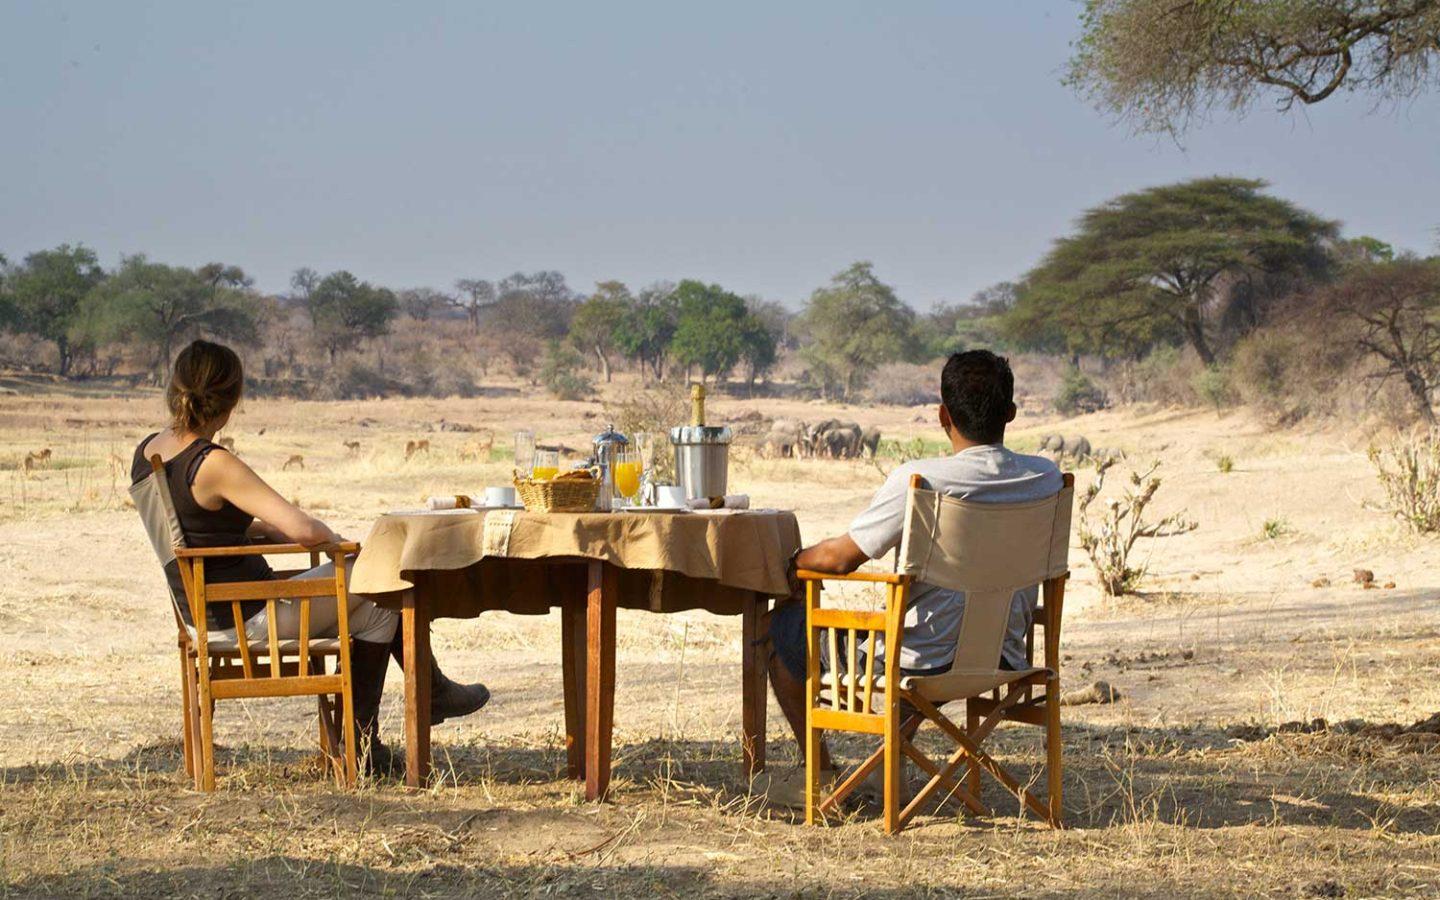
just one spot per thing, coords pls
(223, 527)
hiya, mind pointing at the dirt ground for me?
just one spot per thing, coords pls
(1182, 788)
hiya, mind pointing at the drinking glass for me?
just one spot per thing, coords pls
(524, 450)
(547, 465)
(628, 469)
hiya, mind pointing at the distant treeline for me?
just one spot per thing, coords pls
(1256, 292)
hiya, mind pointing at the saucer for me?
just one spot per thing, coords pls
(656, 509)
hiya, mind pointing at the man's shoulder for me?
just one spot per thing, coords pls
(987, 470)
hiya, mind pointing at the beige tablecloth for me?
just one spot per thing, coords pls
(467, 563)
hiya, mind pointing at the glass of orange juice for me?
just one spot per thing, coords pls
(547, 465)
(628, 469)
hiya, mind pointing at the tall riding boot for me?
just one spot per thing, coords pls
(368, 662)
(448, 699)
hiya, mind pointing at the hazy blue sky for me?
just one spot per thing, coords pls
(761, 145)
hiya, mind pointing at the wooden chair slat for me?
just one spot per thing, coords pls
(272, 590)
(274, 633)
(852, 670)
(304, 636)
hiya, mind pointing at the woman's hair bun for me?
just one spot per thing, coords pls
(206, 385)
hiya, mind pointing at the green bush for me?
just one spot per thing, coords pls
(560, 374)
(1078, 394)
(1212, 385)
(1226, 464)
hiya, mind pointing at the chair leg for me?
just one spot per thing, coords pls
(187, 704)
(1053, 751)
(972, 771)
(205, 780)
(347, 730)
(894, 762)
(812, 772)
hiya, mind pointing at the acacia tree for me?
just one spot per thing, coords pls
(1392, 309)
(45, 294)
(1162, 63)
(159, 306)
(708, 327)
(645, 333)
(421, 304)
(475, 296)
(347, 310)
(854, 325)
(1164, 264)
(598, 321)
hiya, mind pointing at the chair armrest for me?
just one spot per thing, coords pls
(871, 577)
(264, 550)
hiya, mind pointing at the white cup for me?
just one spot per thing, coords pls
(499, 496)
(670, 496)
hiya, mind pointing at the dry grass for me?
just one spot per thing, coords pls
(1181, 789)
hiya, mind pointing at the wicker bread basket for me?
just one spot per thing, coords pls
(559, 494)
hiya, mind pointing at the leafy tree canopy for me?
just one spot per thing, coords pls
(1162, 265)
(854, 324)
(1162, 63)
(46, 291)
(158, 306)
(644, 334)
(347, 310)
(599, 319)
(709, 327)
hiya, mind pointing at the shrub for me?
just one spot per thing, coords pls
(1078, 394)
(655, 409)
(1109, 535)
(559, 373)
(1409, 471)
(1226, 464)
(1274, 528)
(1212, 386)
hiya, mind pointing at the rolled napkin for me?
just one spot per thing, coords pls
(729, 501)
(458, 501)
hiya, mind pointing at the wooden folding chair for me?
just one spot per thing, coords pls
(989, 551)
(225, 665)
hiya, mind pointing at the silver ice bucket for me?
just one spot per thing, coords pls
(702, 459)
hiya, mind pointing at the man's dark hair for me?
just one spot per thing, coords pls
(978, 390)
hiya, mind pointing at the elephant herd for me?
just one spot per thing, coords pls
(831, 438)
(1077, 447)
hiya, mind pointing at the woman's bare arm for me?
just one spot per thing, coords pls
(224, 477)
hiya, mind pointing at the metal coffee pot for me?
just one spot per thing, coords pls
(607, 444)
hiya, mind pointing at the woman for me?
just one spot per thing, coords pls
(221, 502)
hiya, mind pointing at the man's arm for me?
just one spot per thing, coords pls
(837, 556)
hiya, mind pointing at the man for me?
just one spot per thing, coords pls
(977, 392)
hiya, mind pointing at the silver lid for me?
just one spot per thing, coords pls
(610, 436)
(683, 435)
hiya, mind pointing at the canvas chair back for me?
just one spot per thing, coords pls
(989, 551)
(151, 496)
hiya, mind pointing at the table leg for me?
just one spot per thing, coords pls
(573, 663)
(755, 680)
(603, 583)
(415, 620)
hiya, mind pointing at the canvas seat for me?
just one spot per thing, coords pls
(221, 665)
(988, 551)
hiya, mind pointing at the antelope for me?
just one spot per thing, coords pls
(414, 447)
(478, 449)
(38, 459)
(353, 447)
(295, 460)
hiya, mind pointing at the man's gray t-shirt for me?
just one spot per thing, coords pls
(989, 473)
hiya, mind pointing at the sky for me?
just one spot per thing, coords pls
(761, 145)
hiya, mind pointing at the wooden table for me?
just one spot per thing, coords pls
(588, 592)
